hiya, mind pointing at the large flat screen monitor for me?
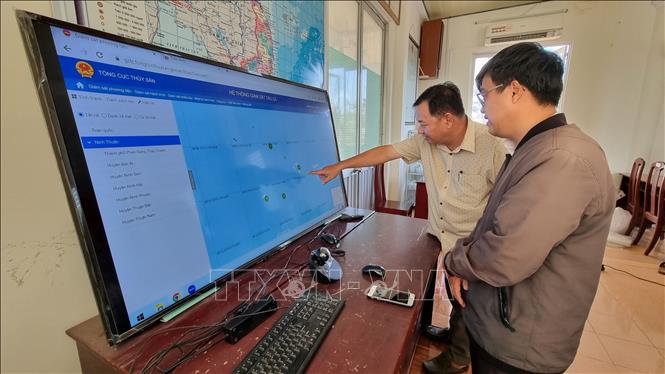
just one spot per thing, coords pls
(181, 170)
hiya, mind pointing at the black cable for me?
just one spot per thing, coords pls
(157, 333)
(156, 359)
(258, 293)
(200, 342)
(210, 330)
(324, 227)
(211, 334)
(208, 336)
(284, 268)
(200, 346)
(633, 275)
(299, 266)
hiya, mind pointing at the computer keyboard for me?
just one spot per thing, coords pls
(293, 340)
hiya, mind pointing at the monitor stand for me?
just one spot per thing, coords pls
(176, 312)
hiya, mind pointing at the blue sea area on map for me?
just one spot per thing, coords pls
(299, 36)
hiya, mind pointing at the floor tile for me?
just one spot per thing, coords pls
(607, 303)
(653, 329)
(589, 365)
(590, 347)
(642, 358)
(634, 253)
(625, 370)
(662, 355)
(643, 301)
(621, 327)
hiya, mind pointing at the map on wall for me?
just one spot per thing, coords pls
(278, 38)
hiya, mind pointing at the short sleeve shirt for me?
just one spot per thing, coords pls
(458, 181)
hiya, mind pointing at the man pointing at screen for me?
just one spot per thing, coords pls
(460, 163)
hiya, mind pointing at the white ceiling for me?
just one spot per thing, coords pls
(444, 9)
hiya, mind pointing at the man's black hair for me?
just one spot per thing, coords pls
(442, 98)
(541, 71)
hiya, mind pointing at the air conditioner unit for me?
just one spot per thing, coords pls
(522, 30)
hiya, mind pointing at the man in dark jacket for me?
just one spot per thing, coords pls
(529, 271)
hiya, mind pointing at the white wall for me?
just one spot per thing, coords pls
(45, 287)
(614, 88)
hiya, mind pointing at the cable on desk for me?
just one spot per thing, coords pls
(212, 334)
(200, 343)
(324, 227)
(284, 268)
(157, 357)
(157, 333)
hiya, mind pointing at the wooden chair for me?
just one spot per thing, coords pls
(634, 206)
(387, 206)
(654, 205)
(420, 209)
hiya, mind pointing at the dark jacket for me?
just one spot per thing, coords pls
(542, 239)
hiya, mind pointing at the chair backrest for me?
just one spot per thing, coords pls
(634, 183)
(420, 210)
(379, 186)
(653, 193)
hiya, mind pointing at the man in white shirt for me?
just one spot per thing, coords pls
(460, 163)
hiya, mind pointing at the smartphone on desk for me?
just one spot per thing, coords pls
(402, 298)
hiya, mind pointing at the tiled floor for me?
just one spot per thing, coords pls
(625, 332)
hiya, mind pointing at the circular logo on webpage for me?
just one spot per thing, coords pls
(85, 69)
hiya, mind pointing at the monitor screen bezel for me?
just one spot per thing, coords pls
(36, 32)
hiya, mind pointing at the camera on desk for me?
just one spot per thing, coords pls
(325, 268)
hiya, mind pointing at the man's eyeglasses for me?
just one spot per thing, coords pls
(482, 95)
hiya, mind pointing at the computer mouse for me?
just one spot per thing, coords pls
(329, 238)
(374, 270)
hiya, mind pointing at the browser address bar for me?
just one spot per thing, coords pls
(150, 65)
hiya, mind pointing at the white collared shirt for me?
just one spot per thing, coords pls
(458, 181)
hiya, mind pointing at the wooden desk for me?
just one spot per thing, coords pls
(368, 335)
(400, 208)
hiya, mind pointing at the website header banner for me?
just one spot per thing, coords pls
(85, 75)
